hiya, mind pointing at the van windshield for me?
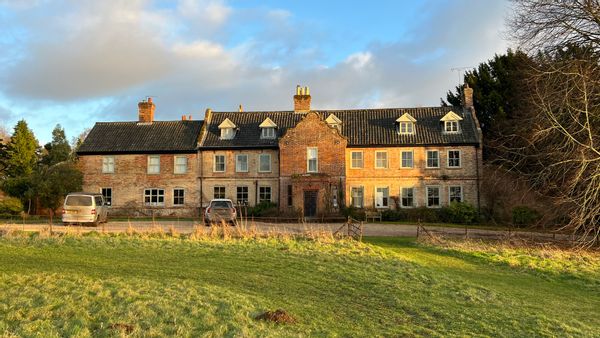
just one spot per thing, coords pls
(79, 201)
(221, 204)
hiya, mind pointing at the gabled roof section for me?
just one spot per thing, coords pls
(332, 119)
(227, 124)
(268, 123)
(451, 116)
(142, 138)
(406, 117)
(362, 127)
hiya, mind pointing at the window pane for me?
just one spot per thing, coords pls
(454, 158)
(407, 197)
(264, 194)
(265, 163)
(433, 196)
(357, 159)
(456, 194)
(180, 164)
(407, 159)
(242, 195)
(381, 159)
(242, 163)
(220, 163)
(357, 197)
(433, 159)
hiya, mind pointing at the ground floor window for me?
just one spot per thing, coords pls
(357, 195)
(382, 196)
(408, 197)
(455, 194)
(178, 197)
(433, 197)
(289, 195)
(219, 192)
(242, 195)
(264, 194)
(154, 197)
(107, 194)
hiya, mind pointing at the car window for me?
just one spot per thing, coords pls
(79, 201)
(98, 201)
(222, 204)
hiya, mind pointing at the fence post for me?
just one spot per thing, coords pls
(418, 228)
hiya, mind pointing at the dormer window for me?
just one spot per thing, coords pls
(405, 124)
(268, 129)
(334, 121)
(451, 123)
(228, 129)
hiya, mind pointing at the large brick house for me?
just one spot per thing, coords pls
(306, 161)
(144, 167)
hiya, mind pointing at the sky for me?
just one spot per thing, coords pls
(80, 62)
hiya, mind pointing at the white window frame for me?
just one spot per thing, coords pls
(158, 195)
(412, 159)
(450, 195)
(179, 165)
(238, 169)
(219, 187)
(108, 164)
(427, 159)
(183, 197)
(268, 133)
(382, 197)
(309, 158)
(387, 159)
(150, 165)
(439, 196)
(110, 198)
(414, 199)
(260, 156)
(362, 197)
(449, 127)
(406, 126)
(362, 160)
(260, 199)
(227, 133)
(215, 163)
(459, 159)
(237, 194)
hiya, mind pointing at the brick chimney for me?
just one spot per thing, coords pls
(467, 96)
(302, 100)
(146, 111)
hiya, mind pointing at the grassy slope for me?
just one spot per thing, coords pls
(75, 286)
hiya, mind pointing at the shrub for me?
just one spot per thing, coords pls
(523, 215)
(11, 206)
(263, 209)
(424, 214)
(356, 213)
(393, 215)
(459, 212)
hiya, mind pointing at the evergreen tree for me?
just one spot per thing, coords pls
(58, 150)
(21, 152)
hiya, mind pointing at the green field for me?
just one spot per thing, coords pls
(104, 286)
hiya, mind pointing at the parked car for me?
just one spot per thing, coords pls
(220, 210)
(81, 207)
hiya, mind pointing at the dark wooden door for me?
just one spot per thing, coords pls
(310, 203)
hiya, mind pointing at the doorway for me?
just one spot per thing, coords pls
(310, 203)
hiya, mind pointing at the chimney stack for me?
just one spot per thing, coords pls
(467, 96)
(146, 111)
(302, 99)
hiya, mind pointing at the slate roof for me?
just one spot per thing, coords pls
(362, 127)
(137, 138)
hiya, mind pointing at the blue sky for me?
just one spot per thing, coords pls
(78, 62)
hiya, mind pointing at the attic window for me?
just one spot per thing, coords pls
(451, 123)
(228, 129)
(405, 124)
(334, 121)
(268, 129)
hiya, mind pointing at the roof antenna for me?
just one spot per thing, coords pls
(459, 70)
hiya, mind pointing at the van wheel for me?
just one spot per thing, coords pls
(96, 221)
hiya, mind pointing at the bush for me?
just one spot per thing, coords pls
(524, 215)
(263, 209)
(11, 206)
(393, 215)
(423, 214)
(459, 212)
(356, 213)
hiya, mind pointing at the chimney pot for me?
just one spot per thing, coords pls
(190, 117)
(182, 117)
(241, 109)
(146, 111)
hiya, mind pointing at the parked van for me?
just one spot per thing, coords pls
(81, 207)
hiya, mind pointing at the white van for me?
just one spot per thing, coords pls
(81, 207)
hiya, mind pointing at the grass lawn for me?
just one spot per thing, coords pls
(97, 286)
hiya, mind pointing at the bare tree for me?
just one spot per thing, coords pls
(558, 146)
(538, 24)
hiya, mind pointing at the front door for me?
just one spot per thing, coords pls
(310, 203)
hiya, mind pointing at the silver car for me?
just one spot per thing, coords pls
(220, 210)
(84, 207)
